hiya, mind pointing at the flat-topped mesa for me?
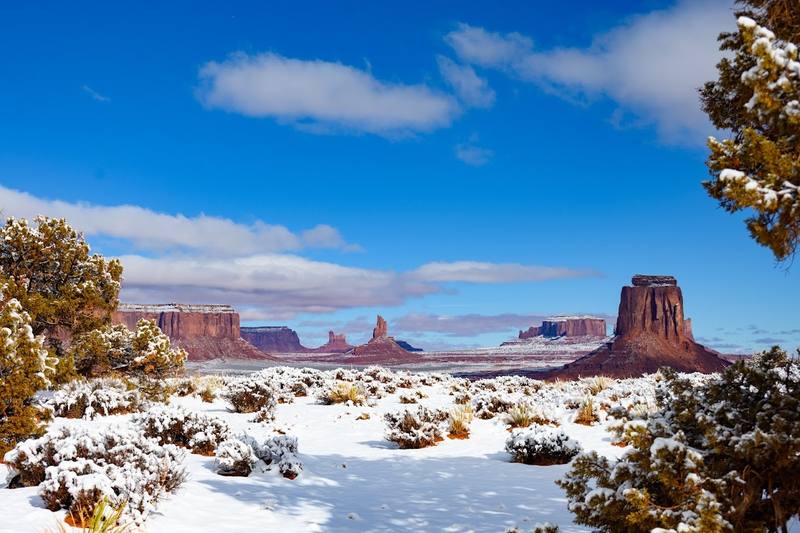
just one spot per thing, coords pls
(651, 332)
(567, 326)
(204, 331)
(644, 280)
(273, 339)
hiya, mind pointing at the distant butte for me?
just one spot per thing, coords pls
(651, 333)
(567, 326)
(381, 349)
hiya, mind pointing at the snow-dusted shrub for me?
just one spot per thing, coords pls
(235, 457)
(597, 384)
(540, 445)
(343, 392)
(459, 420)
(722, 454)
(415, 429)
(87, 399)
(251, 394)
(489, 404)
(176, 425)
(524, 414)
(279, 452)
(408, 398)
(77, 467)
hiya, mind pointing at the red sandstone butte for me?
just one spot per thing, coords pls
(204, 331)
(651, 333)
(337, 343)
(381, 349)
(567, 326)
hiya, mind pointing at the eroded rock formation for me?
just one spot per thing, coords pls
(381, 348)
(651, 332)
(273, 339)
(337, 343)
(567, 326)
(204, 331)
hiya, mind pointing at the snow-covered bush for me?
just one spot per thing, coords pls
(718, 455)
(540, 445)
(87, 399)
(77, 467)
(24, 365)
(235, 457)
(343, 392)
(587, 414)
(415, 429)
(176, 425)
(251, 394)
(408, 398)
(279, 452)
(489, 404)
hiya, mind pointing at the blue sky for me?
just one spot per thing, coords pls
(462, 169)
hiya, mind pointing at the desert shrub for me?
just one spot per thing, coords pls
(105, 518)
(176, 425)
(234, 457)
(415, 429)
(524, 414)
(87, 399)
(24, 369)
(459, 420)
(250, 395)
(718, 455)
(406, 398)
(279, 453)
(488, 405)
(586, 414)
(597, 384)
(343, 392)
(540, 445)
(78, 467)
(102, 350)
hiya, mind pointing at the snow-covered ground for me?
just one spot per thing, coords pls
(355, 480)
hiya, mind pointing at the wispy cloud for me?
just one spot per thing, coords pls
(472, 154)
(472, 89)
(651, 65)
(321, 96)
(94, 94)
(161, 231)
(483, 272)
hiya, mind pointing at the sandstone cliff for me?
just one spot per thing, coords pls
(651, 332)
(583, 326)
(273, 339)
(204, 331)
(337, 343)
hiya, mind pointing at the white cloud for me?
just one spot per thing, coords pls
(482, 272)
(468, 325)
(470, 88)
(652, 65)
(321, 95)
(149, 229)
(473, 154)
(94, 94)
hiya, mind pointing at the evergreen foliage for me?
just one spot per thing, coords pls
(721, 456)
(757, 98)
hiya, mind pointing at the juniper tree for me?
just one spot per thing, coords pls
(64, 288)
(24, 369)
(757, 98)
(724, 456)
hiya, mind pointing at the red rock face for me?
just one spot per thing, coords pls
(567, 327)
(381, 329)
(273, 339)
(204, 331)
(651, 332)
(337, 343)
